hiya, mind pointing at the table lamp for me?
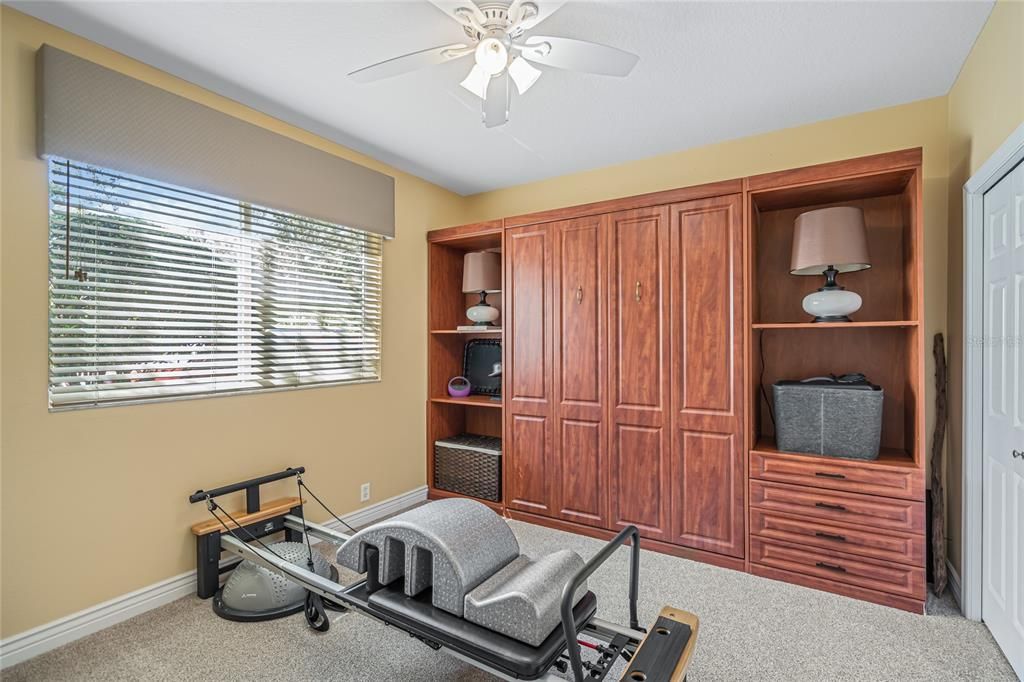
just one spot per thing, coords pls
(481, 274)
(828, 241)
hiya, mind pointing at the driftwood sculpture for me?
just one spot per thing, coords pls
(938, 496)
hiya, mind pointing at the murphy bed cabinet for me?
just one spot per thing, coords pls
(637, 336)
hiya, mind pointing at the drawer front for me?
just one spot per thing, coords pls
(838, 474)
(845, 568)
(845, 508)
(904, 548)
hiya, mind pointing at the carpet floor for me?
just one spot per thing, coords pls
(751, 629)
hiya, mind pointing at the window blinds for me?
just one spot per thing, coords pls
(158, 291)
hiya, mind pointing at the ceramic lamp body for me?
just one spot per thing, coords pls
(482, 314)
(832, 305)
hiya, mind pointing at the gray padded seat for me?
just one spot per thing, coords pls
(449, 545)
(523, 599)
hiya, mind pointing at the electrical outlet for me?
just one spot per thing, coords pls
(364, 492)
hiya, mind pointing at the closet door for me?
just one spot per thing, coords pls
(531, 467)
(638, 377)
(707, 375)
(580, 365)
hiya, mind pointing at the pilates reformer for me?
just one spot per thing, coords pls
(450, 574)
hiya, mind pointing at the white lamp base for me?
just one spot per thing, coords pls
(832, 304)
(482, 314)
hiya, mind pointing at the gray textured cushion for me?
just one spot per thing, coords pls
(450, 545)
(522, 600)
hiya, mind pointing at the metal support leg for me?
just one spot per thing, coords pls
(291, 534)
(207, 564)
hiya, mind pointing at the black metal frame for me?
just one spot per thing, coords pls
(572, 646)
(208, 550)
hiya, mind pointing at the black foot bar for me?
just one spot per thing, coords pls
(568, 624)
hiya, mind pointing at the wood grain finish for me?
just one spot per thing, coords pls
(531, 467)
(847, 508)
(830, 472)
(267, 510)
(884, 598)
(904, 548)
(580, 367)
(638, 346)
(883, 576)
(707, 305)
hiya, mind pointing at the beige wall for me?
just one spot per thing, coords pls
(93, 501)
(985, 104)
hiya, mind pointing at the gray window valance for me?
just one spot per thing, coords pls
(95, 115)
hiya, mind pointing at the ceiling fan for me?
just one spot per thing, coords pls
(503, 52)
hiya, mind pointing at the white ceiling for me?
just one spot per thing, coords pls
(708, 72)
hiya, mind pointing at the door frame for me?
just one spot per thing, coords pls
(1009, 154)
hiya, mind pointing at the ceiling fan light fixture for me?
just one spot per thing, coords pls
(524, 75)
(491, 56)
(476, 82)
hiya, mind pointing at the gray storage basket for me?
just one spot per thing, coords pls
(829, 420)
(469, 464)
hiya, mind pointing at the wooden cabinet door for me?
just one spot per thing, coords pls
(580, 310)
(638, 248)
(707, 299)
(530, 466)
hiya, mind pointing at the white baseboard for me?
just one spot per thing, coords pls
(49, 636)
(953, 582)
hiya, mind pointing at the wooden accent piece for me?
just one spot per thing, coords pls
(849, 508)
(474, 237)
(474, 400)
(678, 674)
(885, 599)
(531, 467)
(824, 173)
(871, 478)
(836, 325)
(706, 480)
(904, 548)
(638, 202)
(638, 348)
(580, 301)
(267, 510)
(883, 576)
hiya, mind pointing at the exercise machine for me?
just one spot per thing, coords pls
(450, 574)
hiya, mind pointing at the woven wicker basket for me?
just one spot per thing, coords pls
(469, 464)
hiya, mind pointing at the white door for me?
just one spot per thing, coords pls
(1002, 601)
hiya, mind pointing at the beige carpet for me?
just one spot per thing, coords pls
(751, 629)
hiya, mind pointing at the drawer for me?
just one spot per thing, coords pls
(838, 474)
(846, 508)
(845, 568)
(904, 548)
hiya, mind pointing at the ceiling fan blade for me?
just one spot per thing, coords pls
(496, 104)
(463, 11)
(545, 8)
(410, 62)
(578, 55)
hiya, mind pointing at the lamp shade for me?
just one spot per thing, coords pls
(829, 236)
(481, 271)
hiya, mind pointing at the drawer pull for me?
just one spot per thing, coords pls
(830, 536)
(831, 567)
(828, 505)
(826, 474)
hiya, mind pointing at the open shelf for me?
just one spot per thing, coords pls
(836, 325)
(466, 332)
(472, 400)
(887, 457)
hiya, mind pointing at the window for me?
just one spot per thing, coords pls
(159, 291)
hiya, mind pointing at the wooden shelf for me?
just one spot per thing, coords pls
(465, 332)
(836, 325)
(473, 400)
(439, 494)
(887, 457)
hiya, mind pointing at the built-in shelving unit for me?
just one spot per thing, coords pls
(446, 310)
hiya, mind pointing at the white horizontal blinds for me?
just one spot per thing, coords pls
(159, 291)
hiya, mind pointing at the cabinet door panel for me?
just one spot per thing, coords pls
(531, 465)
(580, 301)
(707, 390)
(638, 363)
